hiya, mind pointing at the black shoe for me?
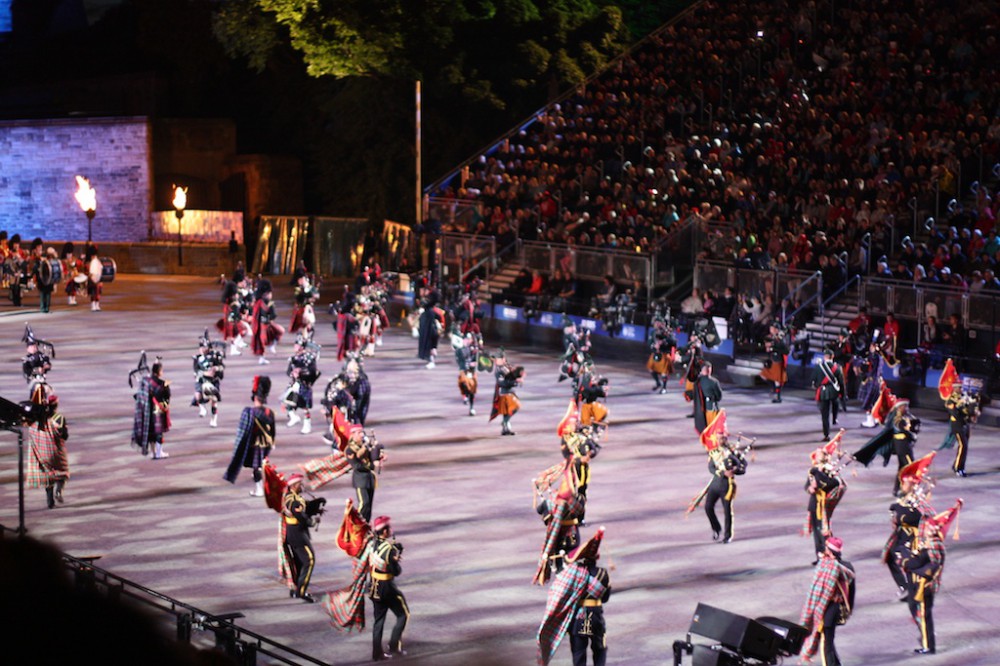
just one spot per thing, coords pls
(815, 562)
(961, 473)
(690, 416)
(715, 535)
(308, 598)
(291, 594)
(776, 399)
(396, 653)
(835, 422)
(923, 651)
(728, 539)
(825, 438)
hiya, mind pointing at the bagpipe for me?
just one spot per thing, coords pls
(142, 370)
(734, 457)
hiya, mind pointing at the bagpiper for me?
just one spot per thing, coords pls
(254, 436)
(962, 404)
(298, 515)
(266, 331)
(466, 349)
(302, 372)
(896, 438)
(385, 557)
(725, 463)
(826, 488)
(209, 366)
(505, 401)
(306, 294)
(775, 369)
(48, 464)
(911, 506)
(36, 364)
(829, 604)
(152, 411)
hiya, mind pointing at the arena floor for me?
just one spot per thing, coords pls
(460, 498)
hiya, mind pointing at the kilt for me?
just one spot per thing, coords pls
(775, 373)
(593, 412)
(664, 366)
(468, 383)
(47, 462)
(508, 404)
(322, 471)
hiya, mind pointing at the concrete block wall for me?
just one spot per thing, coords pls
(39, 160)
(198, 226)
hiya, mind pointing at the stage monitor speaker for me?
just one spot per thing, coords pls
(793, 635)
(740, 634)
(703, 655)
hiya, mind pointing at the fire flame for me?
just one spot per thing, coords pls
(85, 195)
(180, 197)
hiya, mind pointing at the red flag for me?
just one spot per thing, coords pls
(712, 435)
(341, 429)
(354, 531)
(274, 486)
(572, 415)
(885, 402)
(949, 377)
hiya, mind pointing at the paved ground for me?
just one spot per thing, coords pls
(460, 496)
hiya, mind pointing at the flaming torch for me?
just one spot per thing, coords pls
(86, 196)
(179, 202)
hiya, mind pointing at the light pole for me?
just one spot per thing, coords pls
(86, 196)
(180, 201)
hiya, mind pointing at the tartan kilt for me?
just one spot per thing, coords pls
(467, 384)
(593, 412)
(775, 373)
(47, 462)
(868, 394)
(508, 404)
(298, 320)
(272, 334)
(665, 366)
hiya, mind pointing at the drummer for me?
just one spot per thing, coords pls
(72, 271)
(94, 270)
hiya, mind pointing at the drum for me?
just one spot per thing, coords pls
(102, 269)
(50, 272)
(80, 279)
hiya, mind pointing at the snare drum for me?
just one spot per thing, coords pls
(50, 272)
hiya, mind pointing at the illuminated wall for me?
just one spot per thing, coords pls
(38, 162)
(201, 226)
(5, 23)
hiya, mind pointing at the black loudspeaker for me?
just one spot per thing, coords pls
(740, 634)
(793, 635)
(702, 655)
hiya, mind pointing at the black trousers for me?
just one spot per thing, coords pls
(961, 435)
(923, 615)
(825, 407)
(387, 597)
(365, 496)
(596, 640)
(301, 559)
(727, 497)
(826, 637)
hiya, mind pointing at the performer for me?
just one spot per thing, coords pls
(346, 325)
(725, 462)
(209, 367)
(15, 265)
(95, 270)
(467, 357)
(505, 402)
(386, 557)
(44, 281)
(662, 349)
(48, 464)
(73, 272)
(776, 367)
(828, 380)
(897, 438)
(36, 364)
(432, 325)
(254, 436)
(576, 605)
(707, 393)
(829, 604)
(693, 360)
(365, 455)
(358, 388)
(870, 369)
(152, 412)
(298, 516)
(912, 506)
(963, 411)
(266, 332)
(232, 324)
(302, 373)
(826, 488)
(925, 568)
(561, 512)
(593, 413)
(303, 314)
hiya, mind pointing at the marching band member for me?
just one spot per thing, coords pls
(776, 368)
(925, 566)
(35, 365)
(209, 365)
(72, 271)
(14, 267)
(825, 488)
(266, 331)
(385, 557)
(48, 464)
(829, 604)
(707, 394)
(725, 462)
(871, 383)
(432, 324)
(152, 413)
(693, 359)
(662, 348)
(303, 314)
(365, 456)
(505, 402)
(896, 438)
(94, 273)
(467, 356)
(254, 436)
(828, 380)
(232, 324)
(302, 373)
(963, 411)
(298, 516)
(912, 506)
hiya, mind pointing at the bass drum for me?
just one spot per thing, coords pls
(50, 272)
(102, 269)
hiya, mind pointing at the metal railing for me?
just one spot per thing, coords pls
(590, 263)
